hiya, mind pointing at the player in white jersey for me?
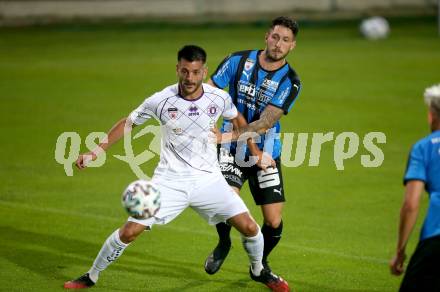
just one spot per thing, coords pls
(187, 149)
(188, 173)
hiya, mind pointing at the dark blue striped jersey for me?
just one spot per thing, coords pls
(424, 165)
(252, 88)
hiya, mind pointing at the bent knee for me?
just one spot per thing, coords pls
(251, 229)
(127, 236)
(273, 222)
(129, 233)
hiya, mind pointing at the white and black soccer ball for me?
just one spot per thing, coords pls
(141, 199)
(375, 28)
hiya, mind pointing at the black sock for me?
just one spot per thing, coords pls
(271, 238)
(224, 231)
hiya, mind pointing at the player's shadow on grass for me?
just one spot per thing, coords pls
(49, 255)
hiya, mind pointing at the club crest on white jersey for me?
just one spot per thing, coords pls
(187, 147)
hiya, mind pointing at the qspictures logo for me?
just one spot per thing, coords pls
(298, 149)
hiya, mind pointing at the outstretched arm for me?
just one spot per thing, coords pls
(408, 218)
(116, 132)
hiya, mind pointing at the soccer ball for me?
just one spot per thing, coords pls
(141, 199)
(375, 28)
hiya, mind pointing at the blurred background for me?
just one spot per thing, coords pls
(42, 11)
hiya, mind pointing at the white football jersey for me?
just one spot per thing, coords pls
(187, 147)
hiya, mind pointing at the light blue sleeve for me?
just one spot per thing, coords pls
(416, 167)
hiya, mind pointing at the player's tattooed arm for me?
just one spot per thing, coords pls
(268, 118)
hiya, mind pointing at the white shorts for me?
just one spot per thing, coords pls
(209, 195)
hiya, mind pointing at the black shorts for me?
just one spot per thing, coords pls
(423, 271)
(266, 186)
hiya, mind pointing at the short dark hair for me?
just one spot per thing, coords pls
(192, 53)
(286, 22)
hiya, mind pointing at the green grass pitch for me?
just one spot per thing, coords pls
(340, 226)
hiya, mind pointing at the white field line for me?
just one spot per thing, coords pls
(297, 248)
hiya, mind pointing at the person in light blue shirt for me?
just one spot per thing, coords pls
(422, 172)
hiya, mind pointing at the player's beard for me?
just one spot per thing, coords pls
(275, 55)
(186, 91)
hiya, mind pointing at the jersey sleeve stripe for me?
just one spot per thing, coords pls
(294, 91)
(294, 97)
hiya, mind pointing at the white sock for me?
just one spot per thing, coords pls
(254, 247)
(110, 251)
